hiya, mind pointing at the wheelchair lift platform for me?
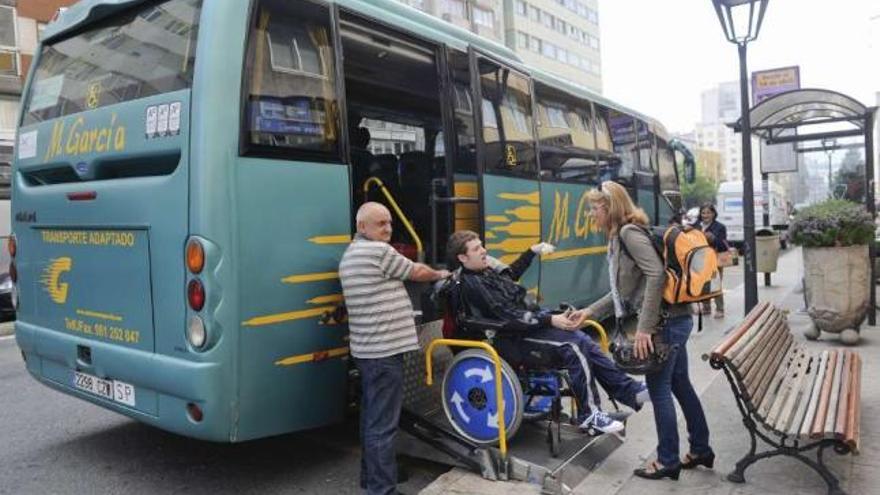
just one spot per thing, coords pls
(529, 459)
(427, 433)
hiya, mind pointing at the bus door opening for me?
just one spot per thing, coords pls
(395, 123)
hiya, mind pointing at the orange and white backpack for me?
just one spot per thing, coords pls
(691, 264)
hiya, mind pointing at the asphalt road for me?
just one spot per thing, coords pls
(51, 443)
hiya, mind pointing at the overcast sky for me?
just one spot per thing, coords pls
(659, 55)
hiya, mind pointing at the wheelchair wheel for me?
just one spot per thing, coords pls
(469, 399)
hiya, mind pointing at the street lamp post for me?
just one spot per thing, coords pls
(741, 21)
(829, 144)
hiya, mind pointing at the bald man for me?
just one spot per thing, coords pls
(381, 326)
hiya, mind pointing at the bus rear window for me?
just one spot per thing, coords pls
(145, 51)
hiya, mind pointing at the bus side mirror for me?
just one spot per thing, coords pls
(690, 170)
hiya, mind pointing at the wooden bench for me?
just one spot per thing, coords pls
(802, 400)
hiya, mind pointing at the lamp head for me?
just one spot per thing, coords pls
(740, 19)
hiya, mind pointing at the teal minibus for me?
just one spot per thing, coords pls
(186, 173)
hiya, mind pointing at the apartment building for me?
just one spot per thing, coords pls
(483, 17)
(559, 36)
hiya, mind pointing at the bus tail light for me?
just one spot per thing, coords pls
(11, 246)
(194, 412)
(195, 332)
(195, 256)
(195, 293)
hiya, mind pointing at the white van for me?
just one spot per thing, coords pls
(729, 204)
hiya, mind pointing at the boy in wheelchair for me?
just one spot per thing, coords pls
(533, 336)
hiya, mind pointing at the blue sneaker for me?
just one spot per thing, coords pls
(599, 422)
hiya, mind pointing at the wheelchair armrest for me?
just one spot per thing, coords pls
(482, 324)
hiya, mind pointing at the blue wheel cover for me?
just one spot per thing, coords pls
(470, 398)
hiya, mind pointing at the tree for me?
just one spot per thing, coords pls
(701, 191)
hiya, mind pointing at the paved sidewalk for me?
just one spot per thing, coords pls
(729, 437)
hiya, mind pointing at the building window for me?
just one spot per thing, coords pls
(547, 20)
(562, 55)
(592, 16)
(8, 113)
(8, 43)
(484, 17)
(455, 8)
(586, 65)
(548, 49)
(522, 8)
(535, 44)
(534, 13)
(561, 26)
(522, 40)
(594, 42)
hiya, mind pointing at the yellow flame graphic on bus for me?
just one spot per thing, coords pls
(51, 275)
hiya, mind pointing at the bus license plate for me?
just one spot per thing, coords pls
(109, 389)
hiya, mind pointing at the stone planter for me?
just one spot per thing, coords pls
(837, 289)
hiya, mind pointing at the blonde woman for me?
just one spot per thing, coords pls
(637, 278)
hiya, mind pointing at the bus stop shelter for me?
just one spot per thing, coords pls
(805, 115)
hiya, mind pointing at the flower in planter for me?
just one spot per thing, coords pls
(832, 223)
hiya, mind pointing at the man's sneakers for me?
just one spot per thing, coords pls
(599, 422)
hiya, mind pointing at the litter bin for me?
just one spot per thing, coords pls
(767, 250)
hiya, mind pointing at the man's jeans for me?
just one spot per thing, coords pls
(381, 400)
(672, 380)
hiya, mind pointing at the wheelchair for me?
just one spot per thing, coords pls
(530, 389)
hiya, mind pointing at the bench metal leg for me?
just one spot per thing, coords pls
(738, 475)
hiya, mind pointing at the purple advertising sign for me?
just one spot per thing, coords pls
(767, 83)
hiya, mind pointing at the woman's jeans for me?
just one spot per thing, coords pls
(672, 380)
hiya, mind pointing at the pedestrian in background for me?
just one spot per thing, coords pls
(716, 234)
(382, 329)
(637, 278)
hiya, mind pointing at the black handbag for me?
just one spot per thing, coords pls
(623, 352)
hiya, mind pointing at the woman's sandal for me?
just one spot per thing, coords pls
(691, 461)
(655, 472)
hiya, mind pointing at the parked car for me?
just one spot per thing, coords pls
(7, 297)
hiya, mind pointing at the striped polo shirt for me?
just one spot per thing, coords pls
(380, 314)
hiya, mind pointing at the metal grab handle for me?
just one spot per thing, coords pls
(435, 200)
(420, 251)
(603, 336)
(499, 399)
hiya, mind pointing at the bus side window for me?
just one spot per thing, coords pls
(622, 129)
(508, 132)
(566, 141)
(292, 105)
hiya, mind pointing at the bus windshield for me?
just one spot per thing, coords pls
(145, 51)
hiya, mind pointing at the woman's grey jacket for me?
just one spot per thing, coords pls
(640, 280)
